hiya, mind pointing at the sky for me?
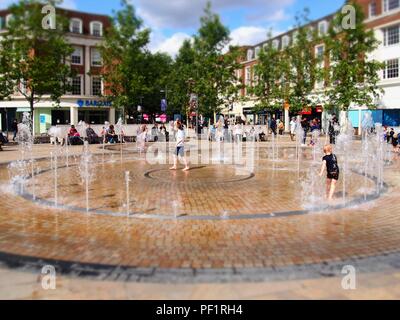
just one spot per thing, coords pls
(173, 21)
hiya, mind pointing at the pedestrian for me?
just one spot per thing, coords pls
(305, 126)
(180, 147)
(334, 129)
(330, 164)
(293, 127)
(273, 126)
(14, 128)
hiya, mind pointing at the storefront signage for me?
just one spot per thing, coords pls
(94, 103)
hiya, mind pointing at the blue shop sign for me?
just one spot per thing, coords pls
(94, 103)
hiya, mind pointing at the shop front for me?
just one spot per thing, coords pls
(46, 114)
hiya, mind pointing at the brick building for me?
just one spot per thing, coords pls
(84, 103)
(383, 16)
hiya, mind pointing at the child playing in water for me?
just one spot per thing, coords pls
(330, 163)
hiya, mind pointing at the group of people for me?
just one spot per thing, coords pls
(392, 138)
(108, 135)
(219, 132)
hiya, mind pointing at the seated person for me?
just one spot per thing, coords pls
(74, 137)
(92, 136)
(111, 136)
(3, 140)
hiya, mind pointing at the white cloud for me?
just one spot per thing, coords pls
(185, 14)
(169, 45)
(248, 35)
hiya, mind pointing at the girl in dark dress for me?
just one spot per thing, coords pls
(330, 164)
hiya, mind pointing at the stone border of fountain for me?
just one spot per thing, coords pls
(368, 264)
(362, 199)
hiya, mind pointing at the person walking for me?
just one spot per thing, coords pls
(273, 126)
(14, 128)
(180, 147)
(334, 129)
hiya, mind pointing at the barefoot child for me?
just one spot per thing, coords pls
(330, 163)
(180, 147)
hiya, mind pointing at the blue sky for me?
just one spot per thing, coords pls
(172, 21)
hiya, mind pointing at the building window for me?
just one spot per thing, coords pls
(258, 49)
(285, 42)
(391, 35)
(76, 57)
(372, 9)
(96, 57)
(96, 86)
(249, 55)
(322, 28)
(77, 86)
(76, 26)
(391, 70)
(248, 76)
(389, 5)
(96, 29)
(320, 51)
(275, 44)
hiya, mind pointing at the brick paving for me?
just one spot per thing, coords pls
(68, 236)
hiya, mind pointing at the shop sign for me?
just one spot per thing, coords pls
(94, 103)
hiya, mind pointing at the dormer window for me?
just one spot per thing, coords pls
(275, 44)
(258, 49)
(76, 26)
(249, 54)
(322, 28)
(96, 29)
(285, 42)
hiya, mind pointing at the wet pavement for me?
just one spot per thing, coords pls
(210, 225)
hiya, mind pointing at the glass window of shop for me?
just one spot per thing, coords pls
(60, 117)
(93, 116)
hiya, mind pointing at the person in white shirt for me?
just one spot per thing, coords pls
(238, 129)
(180, 147)
(293, 127)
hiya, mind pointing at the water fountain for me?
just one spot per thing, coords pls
(120, 133)
(345, 145)
(22, 169)
(86, 171)
(299, 143)
(127, 181)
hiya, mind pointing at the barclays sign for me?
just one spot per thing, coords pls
(94, 103)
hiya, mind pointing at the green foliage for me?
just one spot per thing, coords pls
(216, 83)
(302, 71)
(32, 59)
(269, 85)
(353, 75)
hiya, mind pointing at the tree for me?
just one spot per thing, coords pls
(303, 70)
(124, 52)
(33, 58)
(215, 81)
(353, 74)
(182, 72)
(269, 85)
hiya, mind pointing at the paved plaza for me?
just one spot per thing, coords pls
(210, 233)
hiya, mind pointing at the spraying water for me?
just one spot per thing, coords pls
(86, 171)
